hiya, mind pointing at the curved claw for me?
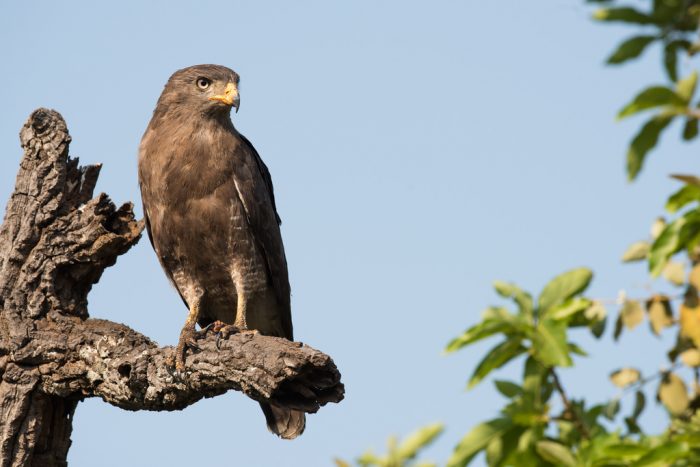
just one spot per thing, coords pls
(224, 332)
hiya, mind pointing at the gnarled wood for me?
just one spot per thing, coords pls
(55, 242)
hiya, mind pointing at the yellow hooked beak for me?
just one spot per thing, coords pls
(230, 96)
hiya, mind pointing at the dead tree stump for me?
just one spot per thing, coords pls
(55, 242)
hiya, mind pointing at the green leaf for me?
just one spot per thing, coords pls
(631, 48)
(664, 454)
(477, 440)
(556, 453)
(496, 358)
(611, 409)
(569, 309)
(509, 290)
(369, 458)
(654, 96)
(550, 345)
(533, 374)
(563, 287)
(685, 178)
(496, 320)
(417, 440)
(671, 56)
(639, 403)
(690, 129)
(501, 448)
(623, 14)
(665, 245)
(625, 451)
(508, 388)
(636, 252)
(644, 142)
(685, 88)
(681, 198)
(575, 348)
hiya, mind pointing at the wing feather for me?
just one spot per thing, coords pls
(254, 187)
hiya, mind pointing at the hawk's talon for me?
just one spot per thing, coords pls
(224, 332)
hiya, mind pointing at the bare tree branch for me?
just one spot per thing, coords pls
(55, 243)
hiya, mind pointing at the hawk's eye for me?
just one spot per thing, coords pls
(203, 83)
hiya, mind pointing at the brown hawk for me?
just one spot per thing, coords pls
(211, 217)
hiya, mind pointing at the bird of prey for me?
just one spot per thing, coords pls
(211, 217)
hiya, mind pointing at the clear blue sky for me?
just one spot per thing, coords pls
(419, 151)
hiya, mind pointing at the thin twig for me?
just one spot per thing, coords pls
(578, 421)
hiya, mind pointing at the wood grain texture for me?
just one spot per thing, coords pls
(55, 242)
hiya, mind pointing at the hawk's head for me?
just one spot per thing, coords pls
(204, 89)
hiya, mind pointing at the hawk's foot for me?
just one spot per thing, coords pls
(226, 330)
(188, 339)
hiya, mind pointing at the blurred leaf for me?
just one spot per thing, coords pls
(678, 200)
(691, 357)
(690, 322)
(476, 440)
(625, 377)
(499, 450)
(568, 309)
(665, 245)
(556, 453)
(685, 178)
(508, 388)
(618, 327)
(694, 278)
(533, 374)
(625, 451)
(673, 394)
(575, 349)
(598, 328)
(369, 458)
(611, 409)
(685, 88)
(643, 142)
(496, 320)
(663, 454)
(671, 56)
(509, 290)
(550, 345)
(563, 287)
(419, 439)
(341, 463)
(657, 227)
(632, 314)
(674, 272)
(639, 403)
(636, 252)
(631, 48)
(690, 129)
(496, 358)
(651, 97)
(596, 312)
(623, 14)
(660, 313)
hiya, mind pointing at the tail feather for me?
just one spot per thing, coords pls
(285, 423)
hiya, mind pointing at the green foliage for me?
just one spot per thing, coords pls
(539, 424)
(673, 24)
(401, 454)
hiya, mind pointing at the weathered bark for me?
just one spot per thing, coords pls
(55, 243)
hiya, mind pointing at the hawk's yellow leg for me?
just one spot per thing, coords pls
(187, 336)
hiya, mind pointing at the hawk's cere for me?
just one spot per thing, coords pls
(211, 217)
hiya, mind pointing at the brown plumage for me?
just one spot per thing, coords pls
(211, 216)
